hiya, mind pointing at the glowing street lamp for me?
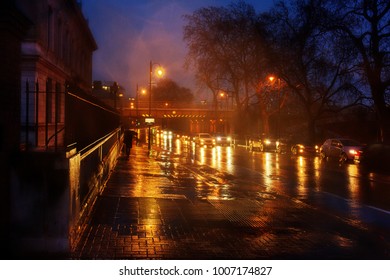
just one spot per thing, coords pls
(223, 98)
(271, 79)
(159, 73)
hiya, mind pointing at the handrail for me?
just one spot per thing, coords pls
(95, 145)
(54, 135)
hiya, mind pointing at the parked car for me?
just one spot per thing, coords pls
(223, 140)
(343, 149)
(264, 144)
(204, 139)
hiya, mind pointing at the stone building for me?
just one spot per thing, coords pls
(47, 115)
(56, 54)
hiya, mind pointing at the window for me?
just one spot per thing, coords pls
(335, 143)
(65, 48)
(59, 40)
(49, 27)
(49, 101)
(58, 103)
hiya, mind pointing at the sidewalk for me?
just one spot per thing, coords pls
(144, 214)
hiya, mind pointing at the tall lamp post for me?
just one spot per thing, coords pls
(159, 73)
(272, 78)
(137, 103)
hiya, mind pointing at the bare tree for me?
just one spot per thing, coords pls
(225, 49)
(309, 60)
(365, 26)
(168, 90)
(271, 97)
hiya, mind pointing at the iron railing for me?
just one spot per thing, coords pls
(56, 118)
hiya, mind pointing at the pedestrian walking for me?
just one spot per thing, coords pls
(128, 141)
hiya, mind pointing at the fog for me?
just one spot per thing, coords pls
(130, 34)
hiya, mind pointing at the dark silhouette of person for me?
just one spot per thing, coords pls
(128, 140)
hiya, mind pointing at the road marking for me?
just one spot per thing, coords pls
(379, 209)
(360, 204)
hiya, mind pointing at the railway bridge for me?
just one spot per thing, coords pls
(180, 117)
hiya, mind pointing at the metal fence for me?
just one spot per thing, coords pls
(71, 142)
(56, 117)
(87, 119)
(95, 164)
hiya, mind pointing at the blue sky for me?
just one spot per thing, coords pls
(131, 33)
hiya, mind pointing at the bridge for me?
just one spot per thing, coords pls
(180, 116)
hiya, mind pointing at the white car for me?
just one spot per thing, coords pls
(204, 140)
(223, 140)
(343, 149)
(264, 144)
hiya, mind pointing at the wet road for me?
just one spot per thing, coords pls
(346, 190)
(186, 202)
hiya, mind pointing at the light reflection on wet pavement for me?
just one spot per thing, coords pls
(223, 203)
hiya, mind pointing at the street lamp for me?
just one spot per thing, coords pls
(272, 78)
(159, 73)
(222, 97)
(137, 102)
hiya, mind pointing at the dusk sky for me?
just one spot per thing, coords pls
(131, 33)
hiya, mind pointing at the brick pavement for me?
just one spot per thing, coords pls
(139, 215)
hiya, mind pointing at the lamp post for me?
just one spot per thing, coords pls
(150, 94)
(222, 98)
(160, 74)
(272, 78)
(137, 104)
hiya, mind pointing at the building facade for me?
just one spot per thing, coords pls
(47, 116)
(56, 54)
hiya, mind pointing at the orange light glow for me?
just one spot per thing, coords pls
(160, 72)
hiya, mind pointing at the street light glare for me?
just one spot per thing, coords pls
(160, 72)
(271, 78)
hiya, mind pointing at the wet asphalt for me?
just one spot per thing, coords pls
(146, 212)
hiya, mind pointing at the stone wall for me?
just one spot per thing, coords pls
(47, 213)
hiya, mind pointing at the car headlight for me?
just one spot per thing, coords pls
(267, 142)
(353, 152)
